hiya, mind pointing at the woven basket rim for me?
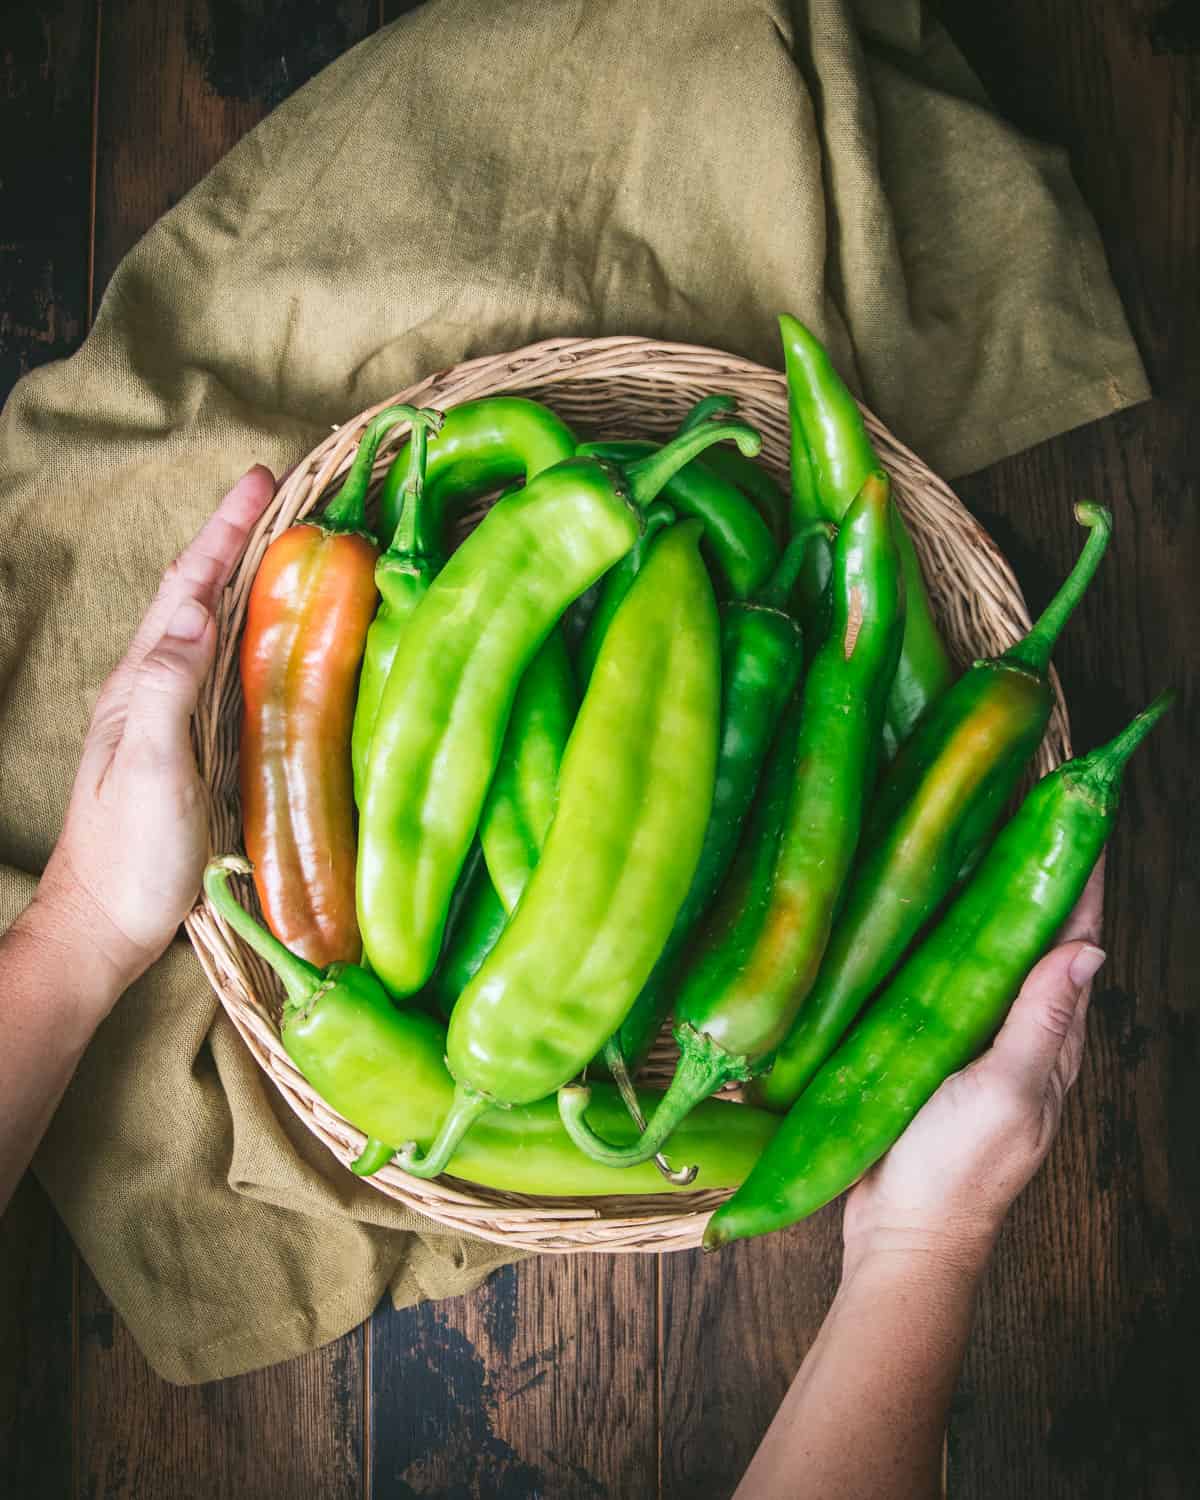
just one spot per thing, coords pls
(618, 385)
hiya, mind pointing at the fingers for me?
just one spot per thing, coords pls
(165, 685)
(203, 568)
(1045, 1027)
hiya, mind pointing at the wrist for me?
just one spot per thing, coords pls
(956, 1251)
(67, 942)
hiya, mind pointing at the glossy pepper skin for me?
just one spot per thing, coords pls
(743, 473)
(449, 694)
(384, 1070)
(737, 540)
(947, 1000)
(402, 576)
(483, 445)
(634, 795)
(763, 942)
(935, 810)
(615, 584)
(761, 660)
(831, 456)
(306, 626)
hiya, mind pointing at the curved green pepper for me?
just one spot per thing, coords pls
(384, 1071)
(947, 1000)
(634, 792)
(450, 691)
(737, 542)
(741, 472)
(935, 811)
(831, 456)
(402, 576)
(764, 939)
(483, 445)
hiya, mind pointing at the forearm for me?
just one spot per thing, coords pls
(56, 992)
(865, 1416)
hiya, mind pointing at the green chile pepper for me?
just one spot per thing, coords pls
(449, 694)
(634, 794)
(831, 456)
(947, 1000)
(474, 929)
(743, 473)
(384, 1071)
(764, 939)
(482, 446)
(736, 539)
(615, 584)
(402, 576)
(934, 812)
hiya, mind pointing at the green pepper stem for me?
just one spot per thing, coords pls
(614, 1061)
(647, 476)
(468, 1105)
(704, 1067)
(373, 1156)
(1101, 770)
(705, 410)
(1034, 651)
(425, 423)
(347, 510)
(301, 980)
(777, 590)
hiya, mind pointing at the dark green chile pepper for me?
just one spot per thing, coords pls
(933, 815)
(946, 1002)
(765, 936)
(743, 473)
(384, 1071)
(831, 456)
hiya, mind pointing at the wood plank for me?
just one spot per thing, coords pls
(1076, 1379)
(37, 1328)
(1118, 85)
(543, 1382)
(46, 76)
(180, 85)
(735, 1327)
(295, 1429)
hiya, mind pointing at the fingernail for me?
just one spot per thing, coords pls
(1086, 965)
(188, 621)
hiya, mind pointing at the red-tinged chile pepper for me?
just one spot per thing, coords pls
(934, 812)
(764, 938)
(450, 691)
(384, 1070)
(831, 456)
(483, 446)
(946, 1002)
(402, 576)
(306, 626)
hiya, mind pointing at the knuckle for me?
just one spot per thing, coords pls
(162, 672)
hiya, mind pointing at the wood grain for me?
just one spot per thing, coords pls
(293, 1430)
(541, 1383)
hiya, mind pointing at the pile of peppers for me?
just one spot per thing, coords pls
(657, 739)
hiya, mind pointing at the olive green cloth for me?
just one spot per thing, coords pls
(480, 174)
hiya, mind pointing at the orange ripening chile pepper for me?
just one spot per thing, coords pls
(312, 602)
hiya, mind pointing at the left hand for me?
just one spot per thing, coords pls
(127, 865)
(946, 1185)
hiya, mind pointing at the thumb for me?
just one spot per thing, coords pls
(166, 684)
(1045, 1027)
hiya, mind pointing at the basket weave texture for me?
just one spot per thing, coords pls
(609, 387)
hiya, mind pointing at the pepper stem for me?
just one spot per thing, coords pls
(648, 475)
(373, 1156)
(777, 590)
(1102, 769)
(347, 510)
(468, 1105)
(1034, 651)
(425, 422)
(705, 410)
(614, 1061)
(301, 980)
(704, 1066)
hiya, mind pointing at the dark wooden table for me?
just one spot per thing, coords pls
(628, 1377)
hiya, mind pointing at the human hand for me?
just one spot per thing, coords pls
(127, 865)
(946, 1185)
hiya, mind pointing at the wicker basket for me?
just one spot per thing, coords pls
(611, 387)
